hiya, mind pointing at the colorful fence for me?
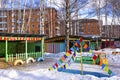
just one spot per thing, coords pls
(54, 47)
(12, 57)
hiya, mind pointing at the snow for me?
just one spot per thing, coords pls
(39, 71)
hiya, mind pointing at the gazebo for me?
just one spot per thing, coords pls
(21, 46)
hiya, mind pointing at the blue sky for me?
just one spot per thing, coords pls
(86, 12)
(16, 3)
(37, 2)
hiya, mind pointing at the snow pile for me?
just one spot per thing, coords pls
(44, 74)
(113, 58)
(55, 56)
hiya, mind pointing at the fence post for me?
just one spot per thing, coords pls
(12, 57)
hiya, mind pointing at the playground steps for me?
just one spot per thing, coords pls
(115, 53)
(85, 59)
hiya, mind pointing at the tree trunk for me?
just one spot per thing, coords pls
(67, 23)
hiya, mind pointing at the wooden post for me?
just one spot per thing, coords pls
(6, 53)
(42, 46)
(81, 61)
(26, 55)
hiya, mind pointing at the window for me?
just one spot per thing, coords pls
(33, 26)
(32, 12)
(38, 19)
(41, 13)
(47, 25)
(27, 20)
(37, 13)
(13, 20)
(46, 19)
(46, 12)
(92, 32)
(38, 31)
(38, 25)
(32, 32)
(47, 32)
(37, 49)
(33, 19)
(27, 31)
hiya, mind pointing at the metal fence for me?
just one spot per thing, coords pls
(22, 56)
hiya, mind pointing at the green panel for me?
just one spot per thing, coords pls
(31, 47)
(12, 47)
(99, 45)
(93, 45)
(2, 48)
(85, 59)
(20, 47)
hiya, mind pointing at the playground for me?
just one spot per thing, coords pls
(93, 65)
(38, 71)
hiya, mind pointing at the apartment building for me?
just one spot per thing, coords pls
(3, 21)
(111, 31)
(32, 21)
(82, 27)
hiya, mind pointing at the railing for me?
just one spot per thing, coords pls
(12, 57)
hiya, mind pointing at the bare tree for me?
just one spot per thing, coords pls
(115, 8)
(116, 15)
(69, 9)
(107, 7)
(22, 29)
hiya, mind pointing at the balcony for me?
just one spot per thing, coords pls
(3, 28)
(3, 16)
(19, 21)
(3, 22)
(58, 28)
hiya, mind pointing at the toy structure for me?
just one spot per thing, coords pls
(70, 56)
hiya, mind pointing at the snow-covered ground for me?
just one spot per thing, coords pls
(39, 71)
